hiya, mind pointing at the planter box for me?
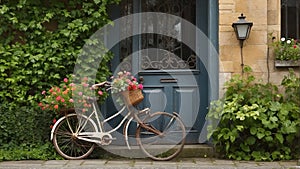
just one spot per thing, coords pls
(287, 63)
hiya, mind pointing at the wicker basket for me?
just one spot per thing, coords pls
(133, 97)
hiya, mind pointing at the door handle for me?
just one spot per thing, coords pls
(141, 79)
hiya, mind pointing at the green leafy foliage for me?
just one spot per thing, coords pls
(40, 41)
(257, 122)
(292, 88)
(26, 152)
(24, 134)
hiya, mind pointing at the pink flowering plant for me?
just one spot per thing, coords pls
(62, 97)
(124, 81)
(287, 49)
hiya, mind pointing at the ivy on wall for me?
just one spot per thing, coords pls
(39, 44)
(40, 40)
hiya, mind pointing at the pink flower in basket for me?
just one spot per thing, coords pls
(124, 83)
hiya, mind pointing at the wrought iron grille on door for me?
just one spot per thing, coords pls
(171, 53)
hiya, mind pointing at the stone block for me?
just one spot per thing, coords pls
(273, 17)
(237, 67)
(258, 66)
(225, 28)
(223, 77)
(276, 77)
(257, 37)
(226, 66)
(273, 4)
(226, 1)
(257, 5)
(229, 52)
(226, 38)
(226, 8)
(242, 6)
(274, 30)
(260, 27)
(227, 18)
(258, 17)
(253, 53)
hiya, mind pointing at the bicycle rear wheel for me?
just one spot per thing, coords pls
(169, 143)
(65, 138)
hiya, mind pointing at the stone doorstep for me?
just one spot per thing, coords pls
(189, 151)
(198, 151)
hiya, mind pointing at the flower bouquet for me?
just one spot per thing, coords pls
(64, 97)
(127, 88)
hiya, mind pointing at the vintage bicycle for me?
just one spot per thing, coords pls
(160, 135)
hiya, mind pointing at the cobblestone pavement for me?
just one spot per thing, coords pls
(184, 163)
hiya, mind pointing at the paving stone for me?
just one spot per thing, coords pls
(94, 162)
(142, 163)
(75, 162)
(56, 162)
(227, 162)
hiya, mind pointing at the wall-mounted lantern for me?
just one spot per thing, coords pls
(242, 30)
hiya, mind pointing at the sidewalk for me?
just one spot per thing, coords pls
(182, 163)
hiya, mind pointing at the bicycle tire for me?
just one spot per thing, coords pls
(166, 146)
(64, 137)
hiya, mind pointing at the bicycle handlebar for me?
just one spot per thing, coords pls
(102, 84)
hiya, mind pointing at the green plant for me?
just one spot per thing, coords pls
(24, 134)
(255, 122)
(29, 152)
(287, 49)
(291, 84)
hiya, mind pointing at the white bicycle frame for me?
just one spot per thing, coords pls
(100, 133)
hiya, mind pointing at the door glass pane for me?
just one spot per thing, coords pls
(171, 53)
(125, 45)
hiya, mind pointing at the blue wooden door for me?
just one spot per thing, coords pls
(174, 78)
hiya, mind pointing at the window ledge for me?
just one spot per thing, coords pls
(287, 63)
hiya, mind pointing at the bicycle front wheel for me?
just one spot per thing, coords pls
(65, 138)
(169, 143)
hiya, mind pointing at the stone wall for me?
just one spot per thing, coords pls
(257, 53)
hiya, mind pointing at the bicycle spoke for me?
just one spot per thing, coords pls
(81, 125)
(69, 125)
(63, 132)
(169, 124)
